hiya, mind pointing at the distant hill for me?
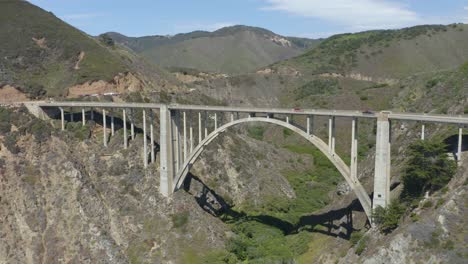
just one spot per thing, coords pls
(236, 49)
(42, 55)
(388, 53)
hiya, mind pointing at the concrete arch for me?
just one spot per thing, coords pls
(344, 170)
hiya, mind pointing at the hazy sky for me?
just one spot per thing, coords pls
(305, 18)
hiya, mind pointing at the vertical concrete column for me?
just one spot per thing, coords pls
(382, 163)
(62, 118)
(206, 124)
(333, 135)
(422, 131)
(124, 117)
(354, 149)
(287, 119)
(104, 133)
(83, 117)
(215, 121)
(199, 128)
(185, 135)
(175, 138)
(166, 172)
(330, 134)
(92, 114)
(112, 125)
(71, 115)
(191, 132)
(145, 144)
(232, 117)
(308, 125)
(152, 135)
(460, 143)
(132, 123)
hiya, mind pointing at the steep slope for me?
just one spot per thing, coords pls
(41, 54)
(237, 49)
(388, 53)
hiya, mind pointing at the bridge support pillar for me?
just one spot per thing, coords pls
(460, 143)
(354, 149)
(423, 128)
(331, 134)
(71, 115)
(124, 117)
(83, 116)
(104, 132)
(185, 135)
(199, 128)
(112, 126)
(145, 144)
(382, 163)
(62, 118)
(132, 124)
(166, 172)
(152, 135)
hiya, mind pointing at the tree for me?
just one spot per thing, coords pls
(428, 168)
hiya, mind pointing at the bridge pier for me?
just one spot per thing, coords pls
(124, 117)
(132, 124)
(191, 132)
(145, 144)
(331, 134)
(152, 135)
(71, 115)
(423, 127)
(382, 162)
(354, 149)
(460, 143)
(185, 135)
(62, 118)
(166, 172)
(83, 117)
(104, 134)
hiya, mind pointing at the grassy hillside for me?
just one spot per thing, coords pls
(42, 55)
(388, 53)
(237, 49)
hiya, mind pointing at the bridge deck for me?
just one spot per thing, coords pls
(434, 118)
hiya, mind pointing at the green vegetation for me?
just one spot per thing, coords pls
(388, 218)
(362, 245)
(317, 87)
(271, 231)
(180, 219)
(256, 132)
(5, 119)
(39, 54)
(216, 51)
(427, 169)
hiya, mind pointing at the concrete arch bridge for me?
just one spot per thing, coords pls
(185, 133)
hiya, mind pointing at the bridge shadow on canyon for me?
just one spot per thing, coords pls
(335, 223)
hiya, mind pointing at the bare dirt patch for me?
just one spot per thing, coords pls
(121, 83)
(80, 58)
(40, 42)
(9, 94)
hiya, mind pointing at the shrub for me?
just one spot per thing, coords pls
(256, 132)
(427, 204)
(388, 218)
(362, 245)
(355, 237)
(180, 219)
(428, 168)
(10, 143)
(40, 130)
(5, 119)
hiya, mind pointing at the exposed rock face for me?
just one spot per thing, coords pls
(433, 235)
(122, 83)
(68, 201)
(9, 94)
